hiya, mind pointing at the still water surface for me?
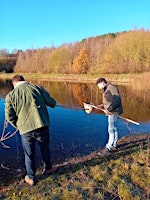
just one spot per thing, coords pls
(73, 132)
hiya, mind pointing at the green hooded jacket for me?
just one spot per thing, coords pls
(25, 107)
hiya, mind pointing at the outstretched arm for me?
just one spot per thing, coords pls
(10, 113)
(49, 101)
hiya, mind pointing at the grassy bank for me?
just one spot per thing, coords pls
(119, 78)
(71, 77)
(124, 174)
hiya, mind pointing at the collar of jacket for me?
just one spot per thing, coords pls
(104, 89)
(19, 83)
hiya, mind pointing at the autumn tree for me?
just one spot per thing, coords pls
(60, 61)
(80, 63)
(3, 52)
(130, 52)
(96, 46)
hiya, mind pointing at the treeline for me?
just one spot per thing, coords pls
(73, 58)
(7, 60)
(125, 52)
(7, 63)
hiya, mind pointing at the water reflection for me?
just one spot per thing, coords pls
(136, 103)
(73, 132)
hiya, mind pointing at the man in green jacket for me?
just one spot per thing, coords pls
(25, 109)
(112, 106)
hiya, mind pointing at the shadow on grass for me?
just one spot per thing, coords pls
(93, 159)
(126, 147)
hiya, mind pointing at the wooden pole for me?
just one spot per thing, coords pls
(109, 113)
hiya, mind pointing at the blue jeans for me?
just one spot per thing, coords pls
(112, 131)
(40, 135)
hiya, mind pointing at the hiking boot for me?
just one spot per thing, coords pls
(49, 171)
(29, 181)
(105, 151)
(114, 148)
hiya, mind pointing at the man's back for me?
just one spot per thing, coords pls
(26, 106)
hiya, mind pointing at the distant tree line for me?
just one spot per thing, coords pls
(7, 61)
(124, 52)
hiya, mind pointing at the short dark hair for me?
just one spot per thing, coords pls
(18, 78)
(100, 80)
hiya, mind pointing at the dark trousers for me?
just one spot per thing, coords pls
(40, 135)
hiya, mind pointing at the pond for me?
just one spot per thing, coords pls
(73, 132)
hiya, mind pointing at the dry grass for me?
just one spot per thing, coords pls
(140, 81)
(123, 78)
(121, 175)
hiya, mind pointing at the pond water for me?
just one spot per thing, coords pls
(73, 132)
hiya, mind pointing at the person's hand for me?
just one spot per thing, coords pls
(6, 124)
(101, 106)
(106, 112)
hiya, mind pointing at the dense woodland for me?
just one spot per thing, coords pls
(124, 52)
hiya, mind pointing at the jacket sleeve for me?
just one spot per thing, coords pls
(10, 113)
(49, 101)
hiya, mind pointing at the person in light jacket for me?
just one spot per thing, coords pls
(112, 106)
(26, 110)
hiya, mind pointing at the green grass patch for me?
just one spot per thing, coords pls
(123, 174)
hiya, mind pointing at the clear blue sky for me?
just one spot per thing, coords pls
(26, 24)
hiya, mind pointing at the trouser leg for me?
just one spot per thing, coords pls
(112, 131)
(115, 138)
(44, 147)
(28, 144)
